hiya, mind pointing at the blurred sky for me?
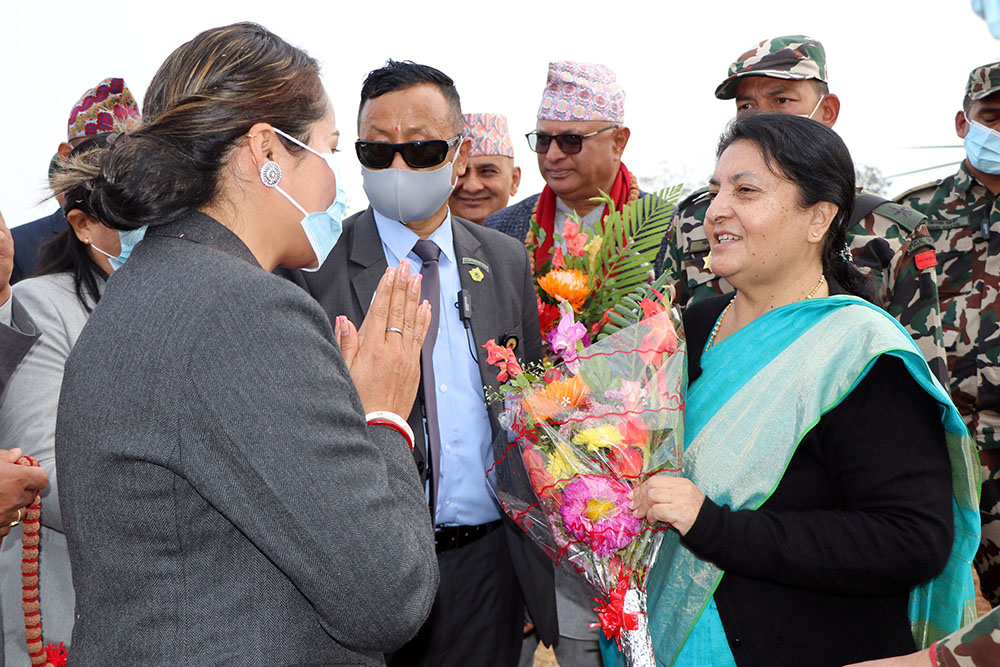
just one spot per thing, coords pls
(899, 67)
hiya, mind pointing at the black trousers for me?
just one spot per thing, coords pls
(478, 615)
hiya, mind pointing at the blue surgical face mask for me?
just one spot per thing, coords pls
(128, 241)
(982, 146)
(322, 228)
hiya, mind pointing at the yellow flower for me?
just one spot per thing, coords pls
(599, 508)
(561, 463)
(592, 249)
(606, 435)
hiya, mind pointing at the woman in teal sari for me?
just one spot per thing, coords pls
(827, 512)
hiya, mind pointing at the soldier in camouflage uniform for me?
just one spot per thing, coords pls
(975, 645)
(963, 214)
(889, 242)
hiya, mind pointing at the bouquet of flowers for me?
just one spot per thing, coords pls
(597, 418)
(598, 268)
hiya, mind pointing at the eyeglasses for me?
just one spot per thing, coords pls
(417, 154)
(568, 143)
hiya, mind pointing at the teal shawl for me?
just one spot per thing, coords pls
(819, 350)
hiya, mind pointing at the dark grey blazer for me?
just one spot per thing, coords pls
(503, 304)
(15, 341)
(224, 501)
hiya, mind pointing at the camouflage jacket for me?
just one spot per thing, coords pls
(964, 221)
(975, 645)
(883, 248)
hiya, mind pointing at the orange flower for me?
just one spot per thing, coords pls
(557, 397)
(569, 285)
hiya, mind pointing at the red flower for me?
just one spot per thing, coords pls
(542, 480)
(661, 338)
(634, 431)
(626, 463)
(552, 375)
(651, 308)
(548, 316)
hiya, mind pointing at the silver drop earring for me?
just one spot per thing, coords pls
(270, 173)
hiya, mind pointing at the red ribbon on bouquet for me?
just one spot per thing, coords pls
(614, 619)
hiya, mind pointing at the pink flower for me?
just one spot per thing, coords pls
(502, 358)
(558, 261)
(575, 241)
(595, 511)
(566, 336)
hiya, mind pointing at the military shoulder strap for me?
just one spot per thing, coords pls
(904, 216)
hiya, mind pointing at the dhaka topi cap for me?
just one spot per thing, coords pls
(788, 57)
(983, 81)
(107, 107)
(489, 134)
(582, 91)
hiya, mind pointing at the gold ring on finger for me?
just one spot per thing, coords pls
(19, 517)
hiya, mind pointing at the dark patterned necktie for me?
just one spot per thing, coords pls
(428, 252)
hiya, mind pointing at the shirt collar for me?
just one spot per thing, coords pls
(400, 239)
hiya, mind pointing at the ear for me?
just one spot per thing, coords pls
(621, 139)
(462, 161)
(64, 150)
(264, 145)
(515, 180)
(81, 224)
(823, 214)
(829, 110)
(961, 125)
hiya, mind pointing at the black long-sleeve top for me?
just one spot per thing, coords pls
(820, 574)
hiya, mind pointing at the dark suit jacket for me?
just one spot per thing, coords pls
(223, 498)
(29, 238)
(503, 303)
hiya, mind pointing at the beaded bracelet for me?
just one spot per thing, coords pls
(50, 655)
(393, 421)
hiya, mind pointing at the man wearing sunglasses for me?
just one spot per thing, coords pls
(579, 138)
(491, 178)
(888, 241)
(412, 151)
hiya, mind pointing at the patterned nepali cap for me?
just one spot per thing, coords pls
(983, 81)
(107, 107)
(582, 91)
(788, 57)
(489, 134)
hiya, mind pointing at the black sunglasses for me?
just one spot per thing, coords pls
(417, 154)
(568, 143)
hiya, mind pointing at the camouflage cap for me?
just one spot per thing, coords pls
(788, 57)
(983, 81)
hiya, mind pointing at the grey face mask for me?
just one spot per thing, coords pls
(407, 195)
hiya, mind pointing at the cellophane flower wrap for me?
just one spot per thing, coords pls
(584, 433)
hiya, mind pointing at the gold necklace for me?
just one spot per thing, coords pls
(718, 322)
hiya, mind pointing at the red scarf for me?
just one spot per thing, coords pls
(546, 210)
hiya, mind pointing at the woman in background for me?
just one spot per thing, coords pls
(73, 269)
